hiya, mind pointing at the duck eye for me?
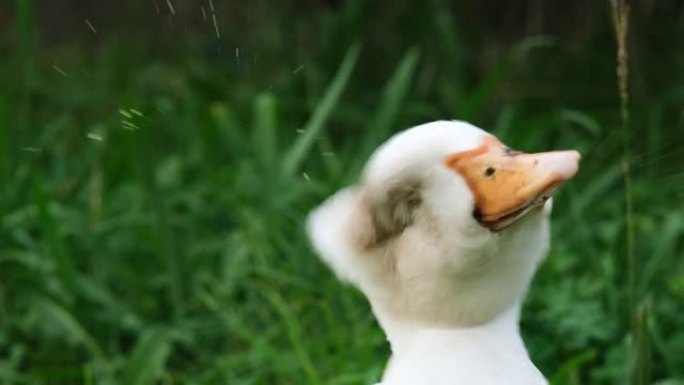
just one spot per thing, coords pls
(490, 171)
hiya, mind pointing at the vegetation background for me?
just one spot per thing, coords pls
(158, 158)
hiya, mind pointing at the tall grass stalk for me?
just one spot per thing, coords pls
(620, 12)
(639, 356)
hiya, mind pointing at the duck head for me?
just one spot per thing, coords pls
(446, 226)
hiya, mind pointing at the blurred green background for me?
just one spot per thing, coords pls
(158, 158)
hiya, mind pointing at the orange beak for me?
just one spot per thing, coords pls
(508, 184)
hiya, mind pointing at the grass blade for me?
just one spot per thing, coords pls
(294, 332)
(227, 128)
(146, 364)
(54, 242)
(568, 372)
(264, 135)
(71, 327)
(297, 152)
(487, 88)
(392, 96)
(665, 246)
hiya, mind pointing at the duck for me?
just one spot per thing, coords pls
(443, 233)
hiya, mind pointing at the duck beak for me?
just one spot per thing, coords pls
(507, 184)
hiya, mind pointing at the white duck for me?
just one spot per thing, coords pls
(443, 234)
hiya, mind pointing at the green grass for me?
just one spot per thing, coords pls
(153, 209)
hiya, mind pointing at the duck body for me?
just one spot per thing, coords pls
(443, 234)
(483, 355)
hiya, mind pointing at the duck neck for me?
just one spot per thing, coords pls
(491, 353)
(501, 333)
